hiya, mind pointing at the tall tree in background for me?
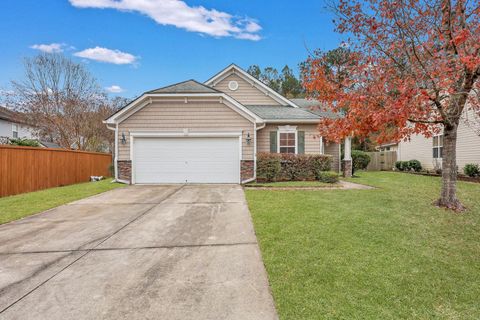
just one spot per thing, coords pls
(285, 82)
(415, 70)
(62, 100)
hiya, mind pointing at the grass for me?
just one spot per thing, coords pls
(293, 184)
(385, 253)
(26, 204)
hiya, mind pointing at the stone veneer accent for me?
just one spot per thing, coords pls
(347, 168)
(124, 170)
(246, 169)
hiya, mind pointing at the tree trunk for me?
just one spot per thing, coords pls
(448, 197)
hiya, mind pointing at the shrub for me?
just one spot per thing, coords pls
(399, 165)
(360, 160)
(321, 162)
(415, 165)
(304, 167)
(268, 166)
(24, 142)
(471, 169)
(274, 166)
(328, 176)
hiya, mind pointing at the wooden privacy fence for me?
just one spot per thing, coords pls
(26, 169)
(381, 161)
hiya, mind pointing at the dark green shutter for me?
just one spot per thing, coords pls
(301, 142)
(273, 141)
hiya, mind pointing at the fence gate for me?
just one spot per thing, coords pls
(383, 160)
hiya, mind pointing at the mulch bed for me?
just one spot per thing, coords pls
(459, 177)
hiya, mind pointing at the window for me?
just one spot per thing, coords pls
(438, 146)
(287, 142)
(14, 130)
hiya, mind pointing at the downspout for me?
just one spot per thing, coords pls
(116, 152)
(255, 129)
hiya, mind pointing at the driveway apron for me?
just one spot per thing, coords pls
(139, 252)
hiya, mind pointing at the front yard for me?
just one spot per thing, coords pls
(384, 253)
(22, 205)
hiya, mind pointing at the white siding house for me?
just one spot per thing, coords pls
(429, 150)
(11, 127)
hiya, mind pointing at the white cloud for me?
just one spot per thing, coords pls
(106, 55)
(177, 13)
(49, 48)
(114, 89)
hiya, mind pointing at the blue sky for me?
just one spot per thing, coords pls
(138, 45)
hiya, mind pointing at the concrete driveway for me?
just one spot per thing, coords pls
(140, 252)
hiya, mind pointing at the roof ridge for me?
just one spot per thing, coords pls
(179, 83)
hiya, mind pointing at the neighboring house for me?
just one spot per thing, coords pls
(211, 132)
(12, 127)
(389, 146)
(429, 151)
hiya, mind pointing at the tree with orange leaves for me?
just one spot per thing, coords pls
(412, 67)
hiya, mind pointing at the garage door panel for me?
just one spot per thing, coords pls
(186, 160)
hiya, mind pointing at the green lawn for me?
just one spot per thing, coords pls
(385, 253)
(22, 205)
(293, 184)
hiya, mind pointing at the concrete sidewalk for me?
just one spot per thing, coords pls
(141, 252)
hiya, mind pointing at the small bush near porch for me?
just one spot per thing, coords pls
(384, 253)
(291, 167)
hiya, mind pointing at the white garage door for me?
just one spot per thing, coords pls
(186, 160)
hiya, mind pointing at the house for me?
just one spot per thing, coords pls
(429, 150)
(389, 146)
(211, 132)
(11, 126)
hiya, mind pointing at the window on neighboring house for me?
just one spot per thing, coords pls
(438, 146)
(14, 130)
(287, 142)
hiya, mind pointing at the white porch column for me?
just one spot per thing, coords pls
(347, 158)
(321, 146)
(348, 149)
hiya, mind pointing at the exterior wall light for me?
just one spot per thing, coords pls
(248, 139)
(124, 139)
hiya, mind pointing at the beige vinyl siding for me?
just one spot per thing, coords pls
(468, 145)
(246, 93)
(312, 141)
(333, 149)
(468, 142)
(196, 116)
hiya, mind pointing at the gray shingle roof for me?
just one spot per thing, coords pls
(268, 112)
(7, 114)
(315, 107)
(189, 86)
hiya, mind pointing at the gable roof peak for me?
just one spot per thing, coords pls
(248, 77)
(187, 86)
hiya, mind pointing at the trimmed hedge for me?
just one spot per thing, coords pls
(360, 160)
(410, 165)
(268, 166)
(471, 170)
(290, 167)
(328, 177)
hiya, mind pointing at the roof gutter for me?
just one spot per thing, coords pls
(292, 120)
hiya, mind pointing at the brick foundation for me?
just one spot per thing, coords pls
(124, 170)
(347, 168)
(247, 168)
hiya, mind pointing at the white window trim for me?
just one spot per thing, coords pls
(287, 129)
(13, 130)
(438, 147)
